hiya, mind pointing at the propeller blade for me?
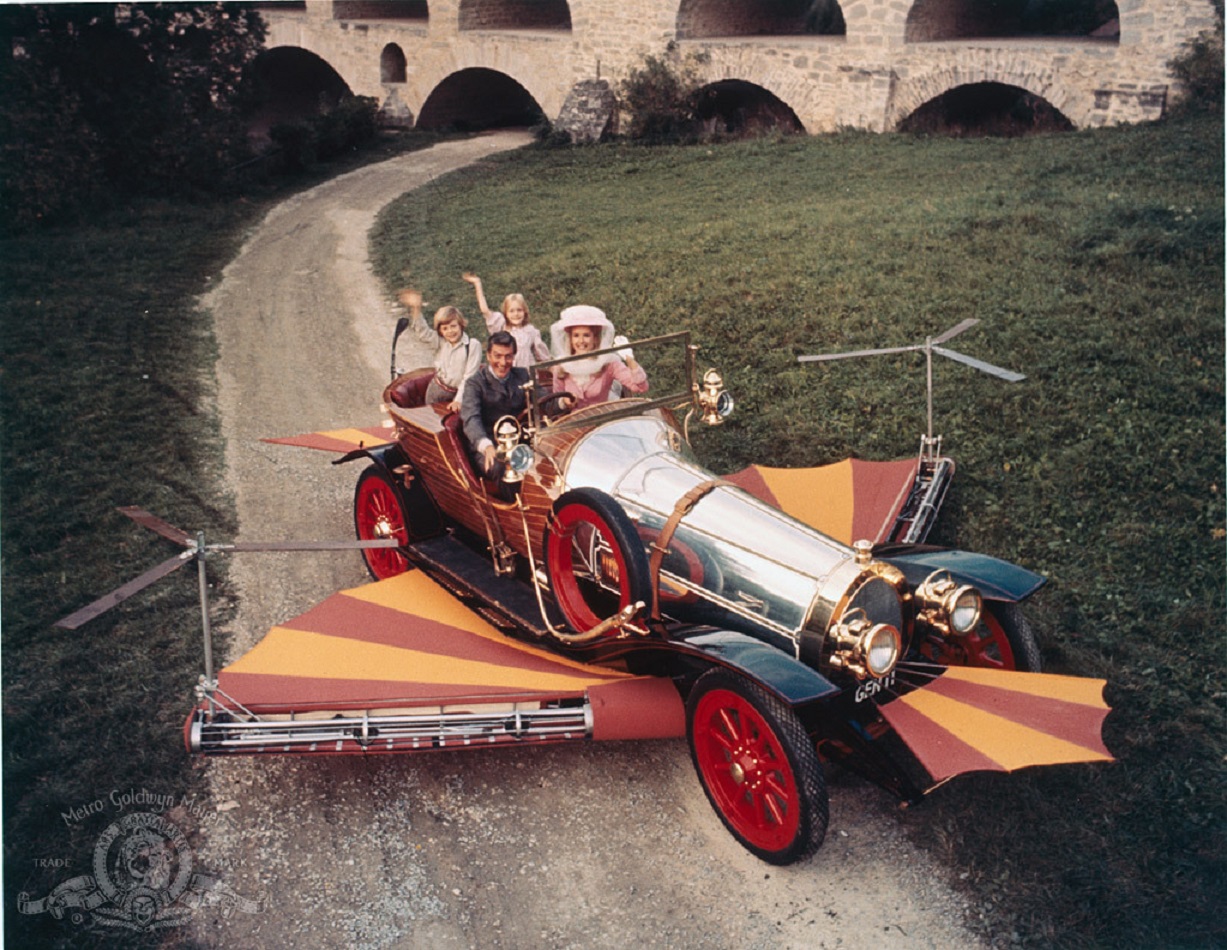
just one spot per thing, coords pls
(158, 526)
(1007, 374)
(120, 594)
(956, 330)
(843, 356)
(304, 545)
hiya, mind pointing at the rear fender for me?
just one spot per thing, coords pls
(773, 669)
(423, 515)
(389, 456)
(995, 579)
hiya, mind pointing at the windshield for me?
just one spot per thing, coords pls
(667, 361)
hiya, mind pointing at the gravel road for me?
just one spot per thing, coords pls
(599, 845)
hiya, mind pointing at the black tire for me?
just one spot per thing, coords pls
(1016, 629)
(594, 558)
(758, 767)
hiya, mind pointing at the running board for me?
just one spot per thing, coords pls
(223, 733)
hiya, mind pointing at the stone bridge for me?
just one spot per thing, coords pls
(829, 64)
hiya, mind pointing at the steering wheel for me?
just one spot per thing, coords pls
(560, 410)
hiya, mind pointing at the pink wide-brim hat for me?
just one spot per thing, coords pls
(583, 315)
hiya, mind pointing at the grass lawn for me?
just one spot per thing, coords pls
(1095, 263)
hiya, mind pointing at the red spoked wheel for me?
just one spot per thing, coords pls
(1002, 641)
(378, 514)
(758, 766)
(594, 558)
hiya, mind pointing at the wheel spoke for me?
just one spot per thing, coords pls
(731, 728)
(775, 807)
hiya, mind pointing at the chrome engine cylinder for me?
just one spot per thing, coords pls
(720, 567)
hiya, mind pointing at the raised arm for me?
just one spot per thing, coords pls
(482, 304)
(411, 300)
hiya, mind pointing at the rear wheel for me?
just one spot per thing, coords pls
(594, 558)
(758, 766)
(379, 514)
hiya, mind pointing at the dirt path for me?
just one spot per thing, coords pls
(610, 845)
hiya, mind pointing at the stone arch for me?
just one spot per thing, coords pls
(292, 83)
(515, 15)
(411, 10)
(708, 19)
(736, 107)
(936, 20)
(392, 64)
(985, 109)
(909, 96)
(478, 98)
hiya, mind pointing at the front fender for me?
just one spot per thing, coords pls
(789, 679)
(994, 578)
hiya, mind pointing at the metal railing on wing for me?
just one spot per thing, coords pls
(214, 734)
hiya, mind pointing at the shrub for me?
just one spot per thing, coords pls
(293, 147)
(1199, 70)
(346, 125)
(662, 97)
(339, 129)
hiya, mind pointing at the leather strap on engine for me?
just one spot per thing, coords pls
(660, 547)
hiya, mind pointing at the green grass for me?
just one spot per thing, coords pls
(107, 393)
(1095, 263)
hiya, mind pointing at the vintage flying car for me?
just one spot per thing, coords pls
(610, 544)
(611, 587)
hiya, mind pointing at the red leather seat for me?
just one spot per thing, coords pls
(409, 390)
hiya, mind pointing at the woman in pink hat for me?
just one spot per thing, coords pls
(583, 329)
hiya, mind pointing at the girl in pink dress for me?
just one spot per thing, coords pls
(583, 329)
(512, 317)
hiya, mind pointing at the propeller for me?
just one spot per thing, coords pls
(929, 346)
(196, 550)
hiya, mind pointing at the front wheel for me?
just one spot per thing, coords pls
(1003, 640)
(758, 767)
(379, 514)
(594, 558)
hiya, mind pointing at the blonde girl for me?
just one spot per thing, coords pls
(513, 317)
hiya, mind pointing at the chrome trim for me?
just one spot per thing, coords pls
(366, 733)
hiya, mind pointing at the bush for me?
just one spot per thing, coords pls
(299, 145)
(346, 125)
(293, 147)
(662, 97)
(1199, 70)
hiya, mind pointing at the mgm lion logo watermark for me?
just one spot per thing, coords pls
(144, 879)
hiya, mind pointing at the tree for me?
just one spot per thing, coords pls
(134, 98)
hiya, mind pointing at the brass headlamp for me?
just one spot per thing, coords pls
(517, 457)
(950, 608)
(863, 648)
(714, 400)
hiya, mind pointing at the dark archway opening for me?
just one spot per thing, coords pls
(515, 15)
(381, 10)
(392, 64)
(708, 19)
(934, 20)
(986, 109)
(291, 84)
(476, 99)
(736, 109)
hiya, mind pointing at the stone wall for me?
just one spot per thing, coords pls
(870, 77)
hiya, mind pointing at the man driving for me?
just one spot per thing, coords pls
(494, 391)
